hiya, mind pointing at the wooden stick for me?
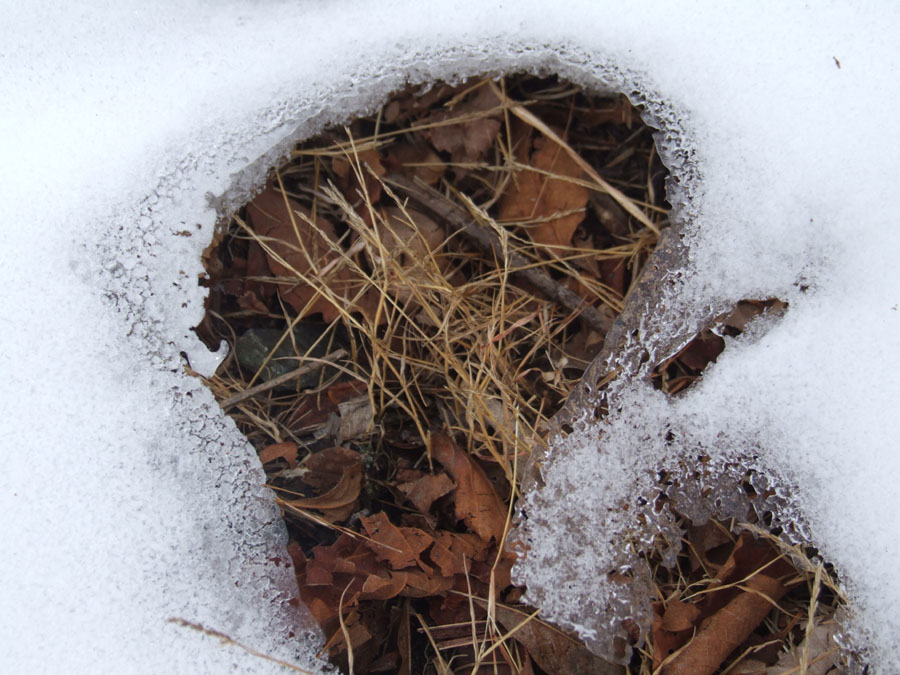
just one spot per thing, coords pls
(457, 217)
(283, 379)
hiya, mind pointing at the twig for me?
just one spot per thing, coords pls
(282, 379)
(226, 639)
(459, 218)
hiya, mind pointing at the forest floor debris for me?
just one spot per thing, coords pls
(408, 302)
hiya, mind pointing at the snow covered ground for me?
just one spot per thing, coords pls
(127, 497)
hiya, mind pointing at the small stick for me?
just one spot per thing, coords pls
(489, 242)
(282, 379)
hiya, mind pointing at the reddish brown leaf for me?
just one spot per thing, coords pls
(421, 585)
(399, 546)
(286, 451)
(251, 303)
(468, 141)
(423, 491)
(453, 553)
(378, 587)
(415, 161)
(727, 628)
(476, 501)
(536, 196)
(324, 469)
(679, 616)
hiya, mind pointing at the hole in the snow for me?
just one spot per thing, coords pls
(408, 302)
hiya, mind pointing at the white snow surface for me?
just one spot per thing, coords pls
(129, 499)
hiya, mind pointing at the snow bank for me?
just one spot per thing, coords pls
(129, 499)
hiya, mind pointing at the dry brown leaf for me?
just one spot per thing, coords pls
(468, 141)
(538, 196)
(294, 253)
(421, 585)
(339, 502)
(476, 501)
(325, 468)
(286, 451)
(453, 553)
(423, 491)
(399, 546)
(552, 650)
(679, 616)
(727, 629)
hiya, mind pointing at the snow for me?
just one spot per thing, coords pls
(129, 499)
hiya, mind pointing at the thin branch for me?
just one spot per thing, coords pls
(457, 217)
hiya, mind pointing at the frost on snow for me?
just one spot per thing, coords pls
(129, 499)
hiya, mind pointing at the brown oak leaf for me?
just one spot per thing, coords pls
(476, 501)
(537, 196)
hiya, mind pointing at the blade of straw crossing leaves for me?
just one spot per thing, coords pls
(528, 117)
(557, 205)
(399, 546)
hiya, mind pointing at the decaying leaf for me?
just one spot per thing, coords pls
(535, 196)
(339, 502)
(399, 546)
(415, 161)
(348, 169)
(286, 451)
(477, 503)
(469, 140)
(356, 418)
(727, 628)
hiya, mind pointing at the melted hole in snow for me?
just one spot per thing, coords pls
(407, 303)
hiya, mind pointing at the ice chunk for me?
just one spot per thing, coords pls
(204, 361)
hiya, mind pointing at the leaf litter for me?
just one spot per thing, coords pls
(409, 301)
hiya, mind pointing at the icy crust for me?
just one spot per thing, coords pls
(599, 541)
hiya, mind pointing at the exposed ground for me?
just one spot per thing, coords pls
(408, 302)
